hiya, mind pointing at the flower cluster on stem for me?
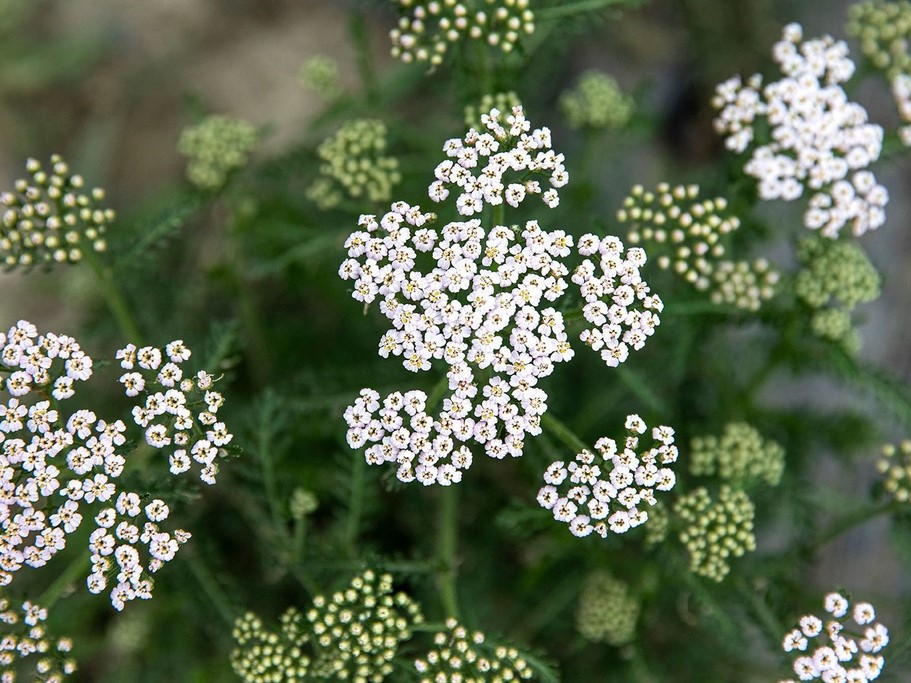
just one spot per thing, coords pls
(27, 649)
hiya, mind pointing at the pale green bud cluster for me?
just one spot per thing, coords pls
(51, 217)
(659, 524)
(596, 102)
(302, 503)
(27, 651)
(460, 656)
(714, 531)
(320, 74)
(353, 159)
(895, 466)
(739, 455)
(502, 101)
(883, 29)
(430, 28)
(685, 234)
(215, 146)
(608, 610)
(357, 632)
(264, 656)
(835, 276)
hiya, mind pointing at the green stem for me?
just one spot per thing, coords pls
(563, 433)
(448, 543)
(211, 589)
(849, 521)
(355, 504)
(773, 628)
(569, 8)
(498, 215)
(80, 565)
(114, 299)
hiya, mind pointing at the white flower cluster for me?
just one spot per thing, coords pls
(425, 35)
(609, 495)
(821, 141)
(54, 464)
(901, 91)
(618, 301)
(26, 644)
(506, 148)
(177, 412)
(833, 660)
(480, 301)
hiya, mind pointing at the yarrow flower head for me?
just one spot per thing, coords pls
(842, 645)
(609, 493)
(715, 530)
(739, 455)
(504, 145)
(463, 656)
(820, 141)
(352, 635)
(216, 146)
(27, 650)
(596, 102)
(427, 31)
(353, 160)
(686, 234)
(834, 278)
(263, 655)
(618, 302)
(883, 29)
(51, 217)
(320, 74)
(895, 466)
(608, 610)
(58, 466)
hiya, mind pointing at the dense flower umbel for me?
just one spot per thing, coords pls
(461, 656)
(504, 145)
(714, 531)
(215, 146)
(686, 234)
(607, 611)
(618, 302)
(833, 279)
(26, 648)
(58, 465)
(353, 160)
(895, 466)
(51, 217)
(352, 635)
(430, 28)
(596, 102)
(739, 455)
(820, 141)
(357, 632)
(847, 643)
(883, 29)
(263, 656)
(610, 493)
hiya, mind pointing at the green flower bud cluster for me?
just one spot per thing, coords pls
(426, 34)
(895, 466)
(739, 455)
(685, 234)
(596, 102)
(714, 531)
(504, 101)
(357, 632)
(215, 146)
(302, 503)
(353, 159)
(659, 523)
(883, 29)
(263, 656)
(26, 649)
(835, 276)
(608, 611)
(320, 74)
(51, 218)
(463, 657)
